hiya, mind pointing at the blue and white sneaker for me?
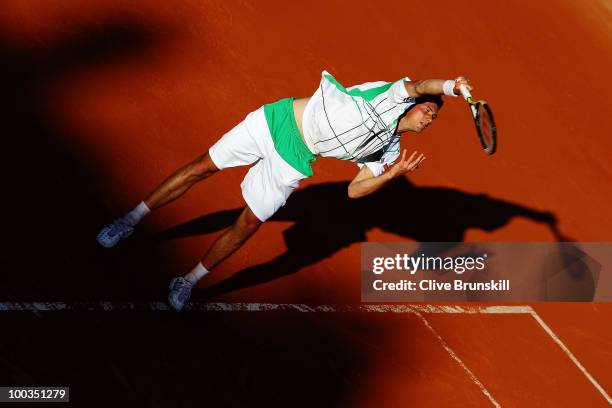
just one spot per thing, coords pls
(110, 235)
(180, 292)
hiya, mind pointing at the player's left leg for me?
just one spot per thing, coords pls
(265, 189)
(228, 243)
(232, 239)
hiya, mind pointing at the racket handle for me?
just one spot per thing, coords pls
(464, 91)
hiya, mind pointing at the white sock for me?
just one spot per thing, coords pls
(196, 273)
(137, 213)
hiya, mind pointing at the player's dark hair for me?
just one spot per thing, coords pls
(437, 99)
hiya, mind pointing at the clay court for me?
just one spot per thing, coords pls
(103, 99)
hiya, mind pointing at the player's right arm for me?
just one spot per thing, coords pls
(423, 87)
(366, 183)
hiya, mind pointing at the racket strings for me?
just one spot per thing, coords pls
(486, 128)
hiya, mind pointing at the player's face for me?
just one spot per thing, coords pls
(419, 117)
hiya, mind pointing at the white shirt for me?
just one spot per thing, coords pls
(356, 123)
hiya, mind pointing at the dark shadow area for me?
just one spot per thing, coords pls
(326, 220)
(164, 359)
(54, 199)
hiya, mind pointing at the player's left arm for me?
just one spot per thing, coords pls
(366, 183)
(423, 87)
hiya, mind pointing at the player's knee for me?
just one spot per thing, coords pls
(249, 221)
(201, 168)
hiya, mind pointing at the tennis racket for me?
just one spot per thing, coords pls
(483, 119)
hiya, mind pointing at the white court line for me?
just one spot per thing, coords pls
(302, 308)
(260, 307)
(571, 356)
(264, 307)
(455, 357)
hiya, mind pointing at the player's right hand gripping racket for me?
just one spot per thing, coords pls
(483, 119)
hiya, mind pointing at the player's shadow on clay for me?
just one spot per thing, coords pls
(326, 221)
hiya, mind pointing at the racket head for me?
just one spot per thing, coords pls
(485, 126)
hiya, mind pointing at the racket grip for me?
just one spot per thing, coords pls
(464, 91)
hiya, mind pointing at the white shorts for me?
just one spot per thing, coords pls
(271, 179)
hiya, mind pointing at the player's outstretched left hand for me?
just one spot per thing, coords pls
(404, 166)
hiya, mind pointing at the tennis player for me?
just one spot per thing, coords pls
(280, 140)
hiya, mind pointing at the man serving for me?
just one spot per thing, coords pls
(362, 123)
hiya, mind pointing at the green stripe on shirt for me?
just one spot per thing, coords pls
(368, 94)
(287, 139)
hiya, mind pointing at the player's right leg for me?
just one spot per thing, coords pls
(169, 190)
(235, 148)
(181, 180)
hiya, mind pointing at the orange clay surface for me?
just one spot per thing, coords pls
(111, 96)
